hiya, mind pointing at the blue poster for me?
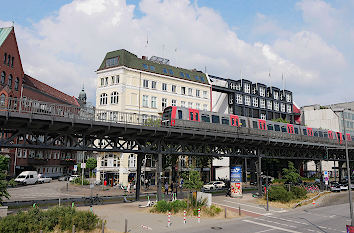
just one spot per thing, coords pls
(236, 174)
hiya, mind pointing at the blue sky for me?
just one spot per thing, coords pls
(307, 41)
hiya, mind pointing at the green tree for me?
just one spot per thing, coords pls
(290, 174)
(91, 163)
(281, 120)
(4, 163)
(192, 181)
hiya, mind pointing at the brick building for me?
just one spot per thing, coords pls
(14, 83)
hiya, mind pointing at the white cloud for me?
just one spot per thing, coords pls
(65, 49)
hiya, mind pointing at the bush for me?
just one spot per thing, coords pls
(62, 218)
(178, 206)
(279, 180)
(79, 181)
(299, 192)
(279, 193)
(212, 210)
(12, 183)
(162, 206)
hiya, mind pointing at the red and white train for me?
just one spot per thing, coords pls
(179, 116)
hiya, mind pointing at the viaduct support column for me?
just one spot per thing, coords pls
(245, 168)
(159, 170)
(259, 171)
(340, 170)
(139, 161)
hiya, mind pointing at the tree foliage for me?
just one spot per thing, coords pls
(192, 181)
(4, 163)
(91, 163)
(281, 120)
(290, 174)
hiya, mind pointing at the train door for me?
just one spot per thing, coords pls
(330, 134)
(309, 131)
(290, 128)
(339, 137)
(262, 124)
(193, 115)
(234, 120)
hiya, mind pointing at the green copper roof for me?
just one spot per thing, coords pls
(130, 60)
(4, 32)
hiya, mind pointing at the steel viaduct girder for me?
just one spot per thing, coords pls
(59, 133)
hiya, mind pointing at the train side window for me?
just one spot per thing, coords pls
(196, 116)
(215, 119)
(325, 134)
(296, 130)
(191, 116)
(283, 129)
(315, 134)
(320, 134)
(277, 127)
(305, 131)
(205, 118)
(180, 114)
(243, 123)
(255, 124)
(225, 121)
(270, 127)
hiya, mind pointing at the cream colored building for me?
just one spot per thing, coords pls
(126, 83)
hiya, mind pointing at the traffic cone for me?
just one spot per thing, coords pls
(313, 202)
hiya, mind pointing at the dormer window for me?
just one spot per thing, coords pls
(112, 62)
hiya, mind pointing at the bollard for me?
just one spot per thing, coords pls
(239, 210)
(184, 217)
(126, 226)
(169, 219)
(102, 227)
(225, 212)
(59, 201)
(199, 215)
(73, 231)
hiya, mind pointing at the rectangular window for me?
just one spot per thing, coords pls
(197, 106)
(262, 91)
(276, 106)
(102, 82)
(269, 104)
(183, 90)
(263, 116)
(180, 114)
(173, 102)
(164, 103)
(197, 93)
(153, 84)
(255, 102)
(145, 101)
(247, 88)
(288, 108)
(183, 104)
(276, 127)
(239, 99)
(146, 83)
(215, 119)
(225, 121)
(270, 127)
(276, 95)
(205, 118)
(205, 94)
(106, 81)
(282, 107)
(164, 86)
(247, 100)
(174, 88)
(190, 91)
(117, 79)
(153, 101)
(288, 98)
(262, 103)
(205, 107)
(190, 105)
(243, 123)
(113, 80)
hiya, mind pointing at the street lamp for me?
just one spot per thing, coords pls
(348, 167)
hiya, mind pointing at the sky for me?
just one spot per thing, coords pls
(307, 42)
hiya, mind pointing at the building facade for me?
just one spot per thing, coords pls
(15, 84)
(127, 83)
(255, 100)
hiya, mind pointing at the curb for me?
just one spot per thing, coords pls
(310, 199)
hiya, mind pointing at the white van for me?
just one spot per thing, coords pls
(27, 177)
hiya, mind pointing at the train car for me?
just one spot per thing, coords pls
(194, 118)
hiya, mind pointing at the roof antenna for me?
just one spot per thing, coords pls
(13, 23)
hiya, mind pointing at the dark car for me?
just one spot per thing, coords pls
(335, 187)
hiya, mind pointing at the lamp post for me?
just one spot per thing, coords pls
(348, 168)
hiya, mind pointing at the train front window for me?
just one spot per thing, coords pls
(167, 113)
(277, 128)
(225, 121)
(205, 118)
(180, 114)
(215, 119)
(191, 117)
(197, 116)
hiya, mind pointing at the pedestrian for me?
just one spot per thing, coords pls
(166, 188)
(146, 183)
(128, 188)
(172, 187)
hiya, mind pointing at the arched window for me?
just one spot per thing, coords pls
(16, 83)
(3, 75)
(5, 56)
(8, 60)
(110, 160)
(103, 99)
(2, 99)
(10, 81)
(114, 97)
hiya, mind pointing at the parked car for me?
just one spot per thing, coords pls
(73, 177)
(27, 177)
(214, 185)
(335, 187)
(343, 186)
(43, 179)
(64, 178)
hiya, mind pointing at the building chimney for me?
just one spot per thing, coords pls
(144, 57)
